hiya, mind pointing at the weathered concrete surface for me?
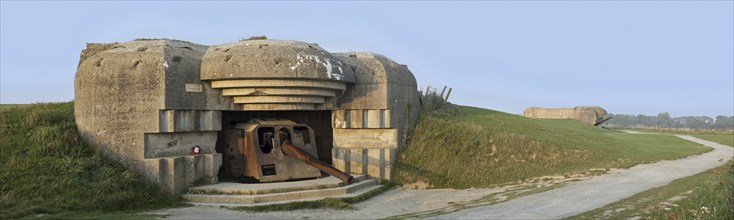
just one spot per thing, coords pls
(252, 59)
(142, 103)
(265, 65)
(178, 143)
(366, 138)
(112, 84)
(184, 87)
(376, 162)
(189, 120)
(375, 113)
(586, 114)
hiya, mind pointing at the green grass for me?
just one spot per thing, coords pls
(99, 215)
(688, 131)
(721, 136)
(725, 139)
(476, 147)
(45, 168)
(12, 105)
(707, 195)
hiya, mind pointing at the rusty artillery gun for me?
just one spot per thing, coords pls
(602, 121)
(272, 150)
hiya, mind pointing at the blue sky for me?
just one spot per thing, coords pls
(628, 57)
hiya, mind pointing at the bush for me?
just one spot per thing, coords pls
(262, 37)
(437, 104)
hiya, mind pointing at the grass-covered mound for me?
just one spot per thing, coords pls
(462, 147)
(46, 168)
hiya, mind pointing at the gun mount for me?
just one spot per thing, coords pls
(274, 150)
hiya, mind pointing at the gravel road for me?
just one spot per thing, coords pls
(568, 200)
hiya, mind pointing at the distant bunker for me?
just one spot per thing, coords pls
(184, 114)
(586, 114)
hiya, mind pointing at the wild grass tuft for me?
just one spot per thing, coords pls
(437, 104)
(261, 37)
(46, 168)
(156, 39)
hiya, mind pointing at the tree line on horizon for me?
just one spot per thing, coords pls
(663, 120)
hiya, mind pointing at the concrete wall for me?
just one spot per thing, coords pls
(142, 103)
(184, 87)
(115, 86)
(374, 115)
(586, 114)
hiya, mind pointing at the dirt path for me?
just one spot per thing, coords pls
(564, 201)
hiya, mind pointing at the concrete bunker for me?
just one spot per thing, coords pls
(587, 114)
(150, 103)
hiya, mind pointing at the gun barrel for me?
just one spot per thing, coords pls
(304, 156)
(602, 121)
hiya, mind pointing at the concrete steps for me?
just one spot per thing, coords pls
(273, 193)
